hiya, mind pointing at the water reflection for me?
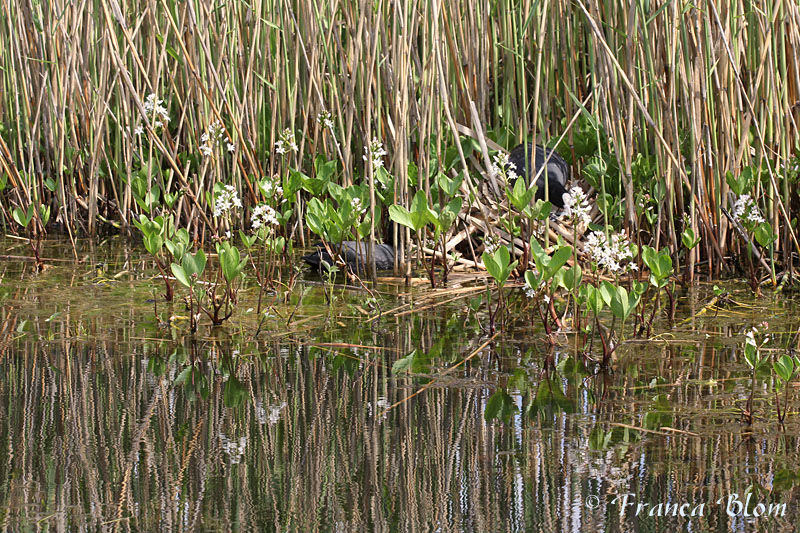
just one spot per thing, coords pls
(112, 421)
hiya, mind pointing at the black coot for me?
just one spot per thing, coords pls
(532, 158)
(354, 254)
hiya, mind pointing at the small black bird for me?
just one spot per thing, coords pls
(354, 254)
(531, 158)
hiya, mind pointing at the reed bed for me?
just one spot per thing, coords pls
(663, 99)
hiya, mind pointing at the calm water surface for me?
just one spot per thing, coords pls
(112, 419)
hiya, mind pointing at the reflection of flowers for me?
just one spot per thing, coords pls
(274, 413)
(234, 450)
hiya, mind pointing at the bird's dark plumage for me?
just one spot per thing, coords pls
(527, 159)
(354, 254)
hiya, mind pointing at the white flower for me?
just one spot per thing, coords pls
(138, 131)
(374, 153)
(576, 206)
(270, 187)
(263, 215)
(215, 131)
(230, 147)
(746, 212)
(214, 135)
(357, 207)
(225, 200)
(500, 163)
(609, 252)
(324, 118)
(546, 298)
(155, 110)
(286, 142)
(530, 292)
(490, 243)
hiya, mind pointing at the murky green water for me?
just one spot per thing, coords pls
(112, 421)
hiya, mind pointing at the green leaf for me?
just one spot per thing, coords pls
(764, 234)
(623, 303)
(44, 214)
(688, 238)
(153, 243)
(594, 299)
(532, 280)
(573, 278)
(415, 219)
(180, 275)
(194, 264)
(492, 266)
(499, 264)
(784, 367)
(22, 217)
(231, 262)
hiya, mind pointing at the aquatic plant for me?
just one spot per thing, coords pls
(542, 282)
(755, 360)
(785, 368)
(440, 217)
(499, 266)
(155, 233)
(659, 263)
(40, 217)
(750, 224)
(187, 273)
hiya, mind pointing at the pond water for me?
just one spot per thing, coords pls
(113, 420)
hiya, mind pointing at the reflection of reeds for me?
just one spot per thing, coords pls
(92, 438)
(696, 88)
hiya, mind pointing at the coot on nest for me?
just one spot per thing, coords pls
(532, 158)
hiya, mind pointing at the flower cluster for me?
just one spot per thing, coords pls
(225, 200)
(374, 153)
(501, 167)
(358, 207)
(155, 110)
(576, 206)
(214, 134)
(490, 243)
(610, 252)
(286, 142)
(324, 119)
(270, 187)
(263, 216)
(746, 212)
